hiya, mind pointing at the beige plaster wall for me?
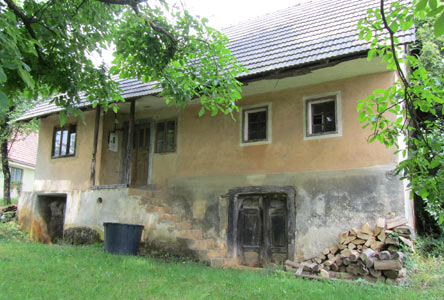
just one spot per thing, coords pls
(67, 173)
(211, 145)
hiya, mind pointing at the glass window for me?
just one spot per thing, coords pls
(255, 124)
(166, 136)
(64, 141)
(16, 175)
(321, 116)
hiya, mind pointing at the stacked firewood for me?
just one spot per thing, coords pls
(370, 253)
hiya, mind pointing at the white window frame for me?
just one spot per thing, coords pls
(308, 135)
(244, 123)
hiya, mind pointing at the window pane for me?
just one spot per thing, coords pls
(257, 126)
(160, 137)
(72, 143)
(64, 142)
(323, 117)
(171, 130)
(56, 149)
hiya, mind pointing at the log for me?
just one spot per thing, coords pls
(364, 236)
(396, 222)
(351, 246)
(384, 265)
(353, 232)
(326, 251)
(342, 246)
(406, 241)
(357, 269)
(369, 262)
(346, 252)
(349, 239)
(382, 235)
(331, 257)
(343, 269)
(380, 225)
(299, 271)
(376, 245)
(385, 255)
(358, 242)
(354, 256)
(334, 249)
(334, 267)
(342, 237)
(375, 273)
(308, 267)
(342, 275)
(398, 255)
(324, 273)
(391, 241)
(392, 274)
(366, 254)
(366, 229)
(346, 261)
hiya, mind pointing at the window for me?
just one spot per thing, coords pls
(166, 136)
(64, 141)
(323, 116)
(256, 125)
(16, 175)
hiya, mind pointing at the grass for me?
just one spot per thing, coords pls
(38, 271)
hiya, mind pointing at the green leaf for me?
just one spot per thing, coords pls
(421, 5)
(3, 76)
(4, 103)
(202, 111)
(433, 4)
(439, 26)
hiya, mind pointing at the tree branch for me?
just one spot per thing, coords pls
(27, 22)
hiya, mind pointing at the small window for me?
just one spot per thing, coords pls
(166, 136)
(64, 141)
(322, 117)
(16, 175)
(255, 125)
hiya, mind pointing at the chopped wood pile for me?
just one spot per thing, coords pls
(371, 253)
(8, 213)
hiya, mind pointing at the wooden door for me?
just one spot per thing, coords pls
(262, 229)
(276, 229)
(250, 238)
(140, 156)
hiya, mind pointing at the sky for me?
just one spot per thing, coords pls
(220, 13)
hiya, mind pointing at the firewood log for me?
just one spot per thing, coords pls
(384, 265)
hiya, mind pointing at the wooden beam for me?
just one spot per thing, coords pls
(94, 153)
(129, 145)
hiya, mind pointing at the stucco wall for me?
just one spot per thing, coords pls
(66, 173)
(27, 181)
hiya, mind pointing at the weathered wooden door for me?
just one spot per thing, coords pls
(262, 229)
(140, 156)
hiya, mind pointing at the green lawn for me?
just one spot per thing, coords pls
(38, 271)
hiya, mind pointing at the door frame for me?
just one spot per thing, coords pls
(234, 204)
(151, 123)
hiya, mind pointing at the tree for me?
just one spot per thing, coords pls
(10, 132)
(409, 115)
(45, 49)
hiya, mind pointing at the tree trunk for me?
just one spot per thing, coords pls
(4, 129)
(5, 169)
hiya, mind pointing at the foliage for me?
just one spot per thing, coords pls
(409, 115)
(37, 271)
(10, 231)
(46, 46)
(430, 246)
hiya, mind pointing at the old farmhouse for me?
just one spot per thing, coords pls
(281, 182)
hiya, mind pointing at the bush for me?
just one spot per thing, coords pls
(430, 246)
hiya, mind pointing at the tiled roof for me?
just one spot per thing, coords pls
(24, 149)
(306, 33)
